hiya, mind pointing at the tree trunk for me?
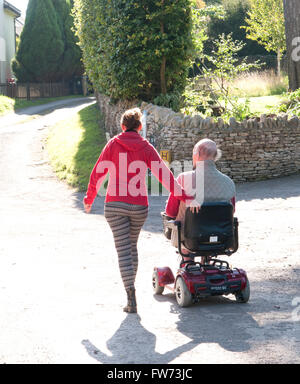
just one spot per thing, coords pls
(163, 84)
(278, 63)
(292, 28)
(163, 76)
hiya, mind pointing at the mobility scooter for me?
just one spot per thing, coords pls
(211, 232)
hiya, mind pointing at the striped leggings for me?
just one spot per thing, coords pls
(126, 221)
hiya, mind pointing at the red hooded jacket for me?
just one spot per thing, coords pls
(127, 158)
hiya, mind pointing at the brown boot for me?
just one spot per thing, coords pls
(131, 301)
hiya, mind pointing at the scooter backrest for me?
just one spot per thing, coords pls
(211, 229)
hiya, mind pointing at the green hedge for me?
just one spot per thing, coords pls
(135, 48)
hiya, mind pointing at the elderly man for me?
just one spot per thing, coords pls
(205, 181)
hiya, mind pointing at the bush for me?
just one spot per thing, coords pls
(169, 100)
(292, 104)
(135, 48)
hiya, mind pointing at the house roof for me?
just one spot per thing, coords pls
(12, 8)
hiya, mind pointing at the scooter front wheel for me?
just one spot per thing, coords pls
(157, 289)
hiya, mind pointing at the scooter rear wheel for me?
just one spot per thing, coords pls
(183, 295)
(157, 289)
(244, 295)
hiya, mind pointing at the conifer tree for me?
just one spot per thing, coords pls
(70, 64)
(41, 44)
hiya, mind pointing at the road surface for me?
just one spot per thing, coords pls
(61, 295)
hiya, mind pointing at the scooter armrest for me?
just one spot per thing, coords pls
(173, 223)
(165, 216)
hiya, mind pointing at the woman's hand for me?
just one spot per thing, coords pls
(87, 207)
(194, 206)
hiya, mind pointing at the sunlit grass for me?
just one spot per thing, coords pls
(264, 104)
(74, 146)
(6, 105)
(259, 83)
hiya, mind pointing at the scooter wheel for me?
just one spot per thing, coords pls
(183, 295)
(244, 295)
(157, 289)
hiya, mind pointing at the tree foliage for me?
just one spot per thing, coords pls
(226, 65)
(135, 48)
(266, 25)
(235, 12)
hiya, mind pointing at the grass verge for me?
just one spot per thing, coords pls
(259, 83)
(74, 146)
(8, 105)
(265, 104)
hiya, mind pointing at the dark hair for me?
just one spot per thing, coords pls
(131, 119)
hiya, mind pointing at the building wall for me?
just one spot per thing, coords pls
(10, 38)
(2, 45)
(256, 149)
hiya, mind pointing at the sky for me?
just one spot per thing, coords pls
(20, 4)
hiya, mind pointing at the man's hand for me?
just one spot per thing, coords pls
(87, 207)
(194, 206)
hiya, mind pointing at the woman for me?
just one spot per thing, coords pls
(127, 158)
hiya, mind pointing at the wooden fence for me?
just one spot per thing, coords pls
(34, 90)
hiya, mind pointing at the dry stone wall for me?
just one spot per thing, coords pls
(256, 149)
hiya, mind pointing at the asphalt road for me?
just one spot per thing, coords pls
(61, 295)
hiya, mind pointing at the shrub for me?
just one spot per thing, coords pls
(135, 48)
(169, 100)
(292, 104)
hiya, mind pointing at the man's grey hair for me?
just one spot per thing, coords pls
(207, 149)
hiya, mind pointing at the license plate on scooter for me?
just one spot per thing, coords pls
(220, 288)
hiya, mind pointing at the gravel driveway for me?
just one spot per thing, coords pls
(61, 295)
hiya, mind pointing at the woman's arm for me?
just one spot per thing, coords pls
(172, 206)
(97, 176)
(165, 176)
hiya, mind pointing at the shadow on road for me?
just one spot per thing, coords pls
(138, 348)
(217, 320)
(42, 109)
(282, 188)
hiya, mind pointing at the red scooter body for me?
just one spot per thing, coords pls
(202, 281)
